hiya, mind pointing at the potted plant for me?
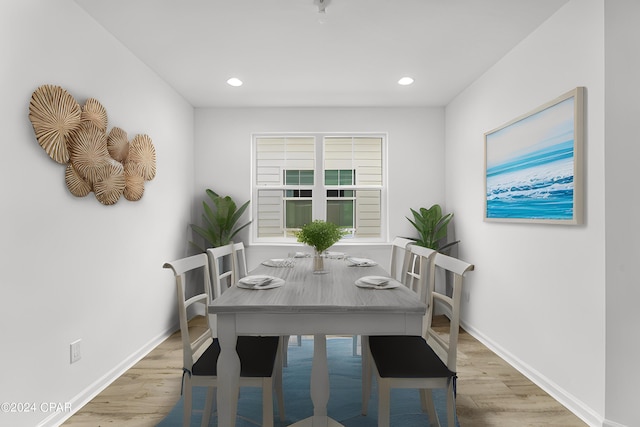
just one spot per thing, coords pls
(219, 224)
(432, 227)
(320, 235)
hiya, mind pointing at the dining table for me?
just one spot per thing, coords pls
(307, 303)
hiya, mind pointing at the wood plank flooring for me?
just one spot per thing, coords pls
(490, 391)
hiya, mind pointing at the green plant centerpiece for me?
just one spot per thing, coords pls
(320, 235)
(219, 224)
(432, 227)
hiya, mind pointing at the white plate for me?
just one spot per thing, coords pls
(361, 262)
(377, 282)
(259, 282)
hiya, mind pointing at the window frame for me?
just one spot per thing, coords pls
(319, 189)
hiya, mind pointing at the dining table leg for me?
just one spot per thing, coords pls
(366, 373)
(319, 386)
(320, 381)
(228, 372)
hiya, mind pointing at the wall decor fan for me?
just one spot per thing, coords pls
(97, 161)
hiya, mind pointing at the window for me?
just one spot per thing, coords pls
(301, 178)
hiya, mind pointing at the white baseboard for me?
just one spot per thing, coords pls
(572, 403)
(84, 397)
(608, 423)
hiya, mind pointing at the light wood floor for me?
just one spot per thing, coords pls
(490, 391)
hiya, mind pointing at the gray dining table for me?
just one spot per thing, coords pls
(308, 304)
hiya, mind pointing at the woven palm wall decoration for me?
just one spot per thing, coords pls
(97, 161)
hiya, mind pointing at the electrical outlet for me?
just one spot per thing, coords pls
(75, 351)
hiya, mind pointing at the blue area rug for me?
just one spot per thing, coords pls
(345, 400)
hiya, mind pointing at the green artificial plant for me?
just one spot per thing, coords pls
(219, 224)
(319, 234)
(432, 227)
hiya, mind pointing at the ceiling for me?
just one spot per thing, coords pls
(287, 53)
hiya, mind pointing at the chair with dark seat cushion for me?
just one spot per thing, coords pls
(399, 263)
(423, 362)
(417, 360)
(240, 270)
(259, 356)
(417, 268)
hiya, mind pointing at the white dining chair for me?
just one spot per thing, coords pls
(423, 362)
(229, 264)
(239, 271)
(399, 263)
(260, 364)
(420, 269)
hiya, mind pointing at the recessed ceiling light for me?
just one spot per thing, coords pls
(405, 81)
(234, 81)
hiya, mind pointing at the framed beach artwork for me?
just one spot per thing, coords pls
(533, 165)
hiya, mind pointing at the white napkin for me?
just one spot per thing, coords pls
(301, 255)
(375, 280)
(336, 255)
(256, 281)
(361, 262)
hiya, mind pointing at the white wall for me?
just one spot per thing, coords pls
(622, 152)
(416, 149)
(537, 293)
(73, 268)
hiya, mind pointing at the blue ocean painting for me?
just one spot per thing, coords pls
(530, 166)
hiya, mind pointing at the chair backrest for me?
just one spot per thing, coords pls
(399, 256)
(419, 272)
(221, 265)
(196, 266)
(240, 261)
(446, 345)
